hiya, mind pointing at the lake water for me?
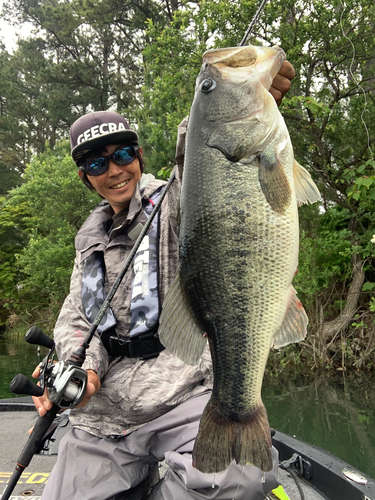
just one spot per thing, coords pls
(336, 413)
(16, 356)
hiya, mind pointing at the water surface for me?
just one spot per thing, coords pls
(16, 356)
(336, 413)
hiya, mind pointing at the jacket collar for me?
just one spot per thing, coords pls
(93, 231)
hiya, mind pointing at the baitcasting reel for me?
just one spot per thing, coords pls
(65, 382)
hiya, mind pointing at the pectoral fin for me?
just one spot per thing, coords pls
(293, 328)
(306, 190)
(178, 329)
(274, 183)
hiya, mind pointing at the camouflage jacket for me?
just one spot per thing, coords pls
(133, 391)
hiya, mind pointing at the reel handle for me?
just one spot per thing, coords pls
(35, 336)
(22, 385)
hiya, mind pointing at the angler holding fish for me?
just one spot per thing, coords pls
(238, 252)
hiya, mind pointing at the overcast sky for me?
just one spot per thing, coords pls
(8, 34)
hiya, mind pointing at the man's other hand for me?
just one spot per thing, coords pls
(281, 82)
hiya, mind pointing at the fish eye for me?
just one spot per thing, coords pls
(208, 85)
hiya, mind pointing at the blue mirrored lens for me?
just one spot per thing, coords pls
(96, 166)
(124, 156)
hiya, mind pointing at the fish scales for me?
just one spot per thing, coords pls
(238, 249)
(230, 260)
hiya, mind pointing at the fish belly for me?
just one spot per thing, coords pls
(238, 258)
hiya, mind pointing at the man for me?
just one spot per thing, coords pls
(142, 404)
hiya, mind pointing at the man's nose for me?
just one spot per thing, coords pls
(114, 169)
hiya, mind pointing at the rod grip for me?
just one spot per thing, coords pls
(40, 428)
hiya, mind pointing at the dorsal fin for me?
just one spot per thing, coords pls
(306, 190)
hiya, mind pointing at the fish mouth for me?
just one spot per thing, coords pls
(237, 63)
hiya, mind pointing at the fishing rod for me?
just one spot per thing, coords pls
(252, 23)
(65, 380)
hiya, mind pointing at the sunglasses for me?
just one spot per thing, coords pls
(100, 164)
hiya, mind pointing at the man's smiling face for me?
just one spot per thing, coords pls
(118, 183)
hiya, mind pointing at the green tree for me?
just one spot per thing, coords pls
(45, 213)
(331, 125)
(81, 56)
(142, 57)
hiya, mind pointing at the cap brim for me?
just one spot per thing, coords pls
(123, 136)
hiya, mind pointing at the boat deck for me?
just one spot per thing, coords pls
(14, 426)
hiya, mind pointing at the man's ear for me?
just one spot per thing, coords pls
(80, 173)
(140, 151)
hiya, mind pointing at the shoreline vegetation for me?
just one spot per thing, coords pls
(352, 350)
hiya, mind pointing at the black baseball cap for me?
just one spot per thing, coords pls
(99, 128)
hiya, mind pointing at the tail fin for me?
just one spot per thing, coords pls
(221, 440)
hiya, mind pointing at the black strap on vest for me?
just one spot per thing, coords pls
(144, 346)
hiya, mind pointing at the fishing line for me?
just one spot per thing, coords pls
(235, 495)
(354, 78)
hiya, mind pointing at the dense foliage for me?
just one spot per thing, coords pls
(38, 223)
(141, 58)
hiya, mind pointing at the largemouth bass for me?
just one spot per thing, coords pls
(238, 249)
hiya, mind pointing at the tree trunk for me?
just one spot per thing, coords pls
(331, 328)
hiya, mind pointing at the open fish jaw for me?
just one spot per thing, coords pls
(237, 63)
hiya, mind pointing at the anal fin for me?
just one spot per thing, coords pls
(293, 328)
(178, 329)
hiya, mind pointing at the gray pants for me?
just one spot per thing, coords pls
(91, 468)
